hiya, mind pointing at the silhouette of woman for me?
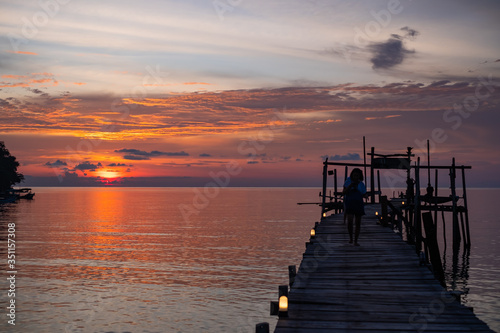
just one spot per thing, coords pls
(354, 192)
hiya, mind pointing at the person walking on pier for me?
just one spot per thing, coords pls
(354, 192)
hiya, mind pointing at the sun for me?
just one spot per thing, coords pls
(108, 174)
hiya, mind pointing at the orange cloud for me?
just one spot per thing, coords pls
(29, 80)
(196, 83)
(23, 52)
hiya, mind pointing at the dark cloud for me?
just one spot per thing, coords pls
(347, 157)
(205, 155)
(118, 165)
(393, 51)
(410, 33)
(439, 83)
(56, 164)
(35, 91)
(136, 154)
(136, 158)
(4, 103)
(388, 54)
(88, 166)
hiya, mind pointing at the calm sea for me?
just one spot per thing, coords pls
(179, 260)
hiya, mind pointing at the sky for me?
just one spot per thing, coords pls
(245, 93)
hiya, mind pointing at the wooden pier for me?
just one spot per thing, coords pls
(394, 281)
(380, 286)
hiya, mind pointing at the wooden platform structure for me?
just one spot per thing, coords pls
(380, 286)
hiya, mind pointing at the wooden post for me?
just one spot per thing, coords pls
(378, 183)
(456, 227)
(466, 208)
(464, 237)
(444, 230)
(292, 273)
(262, 328)
(384, 215)
(433, 247)
(372, 177)
(410, 196)
(364, 155)
(436, 204)
(335, 190)
(418, 221)
(323, 198)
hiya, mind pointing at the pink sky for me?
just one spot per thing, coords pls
(172, 94)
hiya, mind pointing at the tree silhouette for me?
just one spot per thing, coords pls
(8, 169)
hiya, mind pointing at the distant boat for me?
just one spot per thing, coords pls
(23, 193)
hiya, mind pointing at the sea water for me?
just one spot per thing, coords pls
(181, 260)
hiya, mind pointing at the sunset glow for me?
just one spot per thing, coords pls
(170, 93)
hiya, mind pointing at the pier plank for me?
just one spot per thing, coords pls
(376, 287)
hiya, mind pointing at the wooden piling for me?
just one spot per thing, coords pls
(433, 247)
(464, 195)
(262, 328)
(418, 220)
(384, 212)
(436, 203)
(372, 177)
(335, 190)
(456, 227)
(378, 185)
(292, 273)
(323, 198)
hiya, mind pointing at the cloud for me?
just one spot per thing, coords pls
(410, 33)
(347, 157)
(391, 52)
(88, 166)
(205, 155)
(135, 154)
(41, 79)
(136, 158)
(118, 165)
(23, 52)
(56, 164)
(35, 91)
